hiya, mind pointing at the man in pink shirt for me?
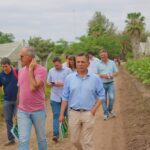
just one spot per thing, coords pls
(31, 107)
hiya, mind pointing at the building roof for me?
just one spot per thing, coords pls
(11, 50)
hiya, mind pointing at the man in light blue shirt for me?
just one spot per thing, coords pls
(84, 93)
(107, 71)
(56, 79)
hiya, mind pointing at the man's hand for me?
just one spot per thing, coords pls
(93, 111)
(61, 118)
(32, 65)
(59, 84)
(50, 84)
(62, 110)
(104, 76)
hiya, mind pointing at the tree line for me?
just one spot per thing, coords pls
(101, 34)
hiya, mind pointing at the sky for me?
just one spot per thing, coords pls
(67, 19)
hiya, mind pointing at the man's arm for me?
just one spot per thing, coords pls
(105, 76)
(34, 84)
(17, 101)
(100, 95)
(65, 97)
(63, 107)
(96, 106)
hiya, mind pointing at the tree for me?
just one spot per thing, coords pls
(144, 36)
(99, 25)
(42, 47)
(135, 26)
(111, 43)
(60, 46)
(125, 44)
(6, 37)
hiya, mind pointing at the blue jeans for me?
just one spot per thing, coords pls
(9, 113)
(25, 121)
(109, 98)
(56, 112)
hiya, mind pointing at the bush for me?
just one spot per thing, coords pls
(140, 68)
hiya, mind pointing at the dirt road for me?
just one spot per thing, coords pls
(108, 135)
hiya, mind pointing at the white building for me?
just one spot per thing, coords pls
(11, 50)
(145, 47)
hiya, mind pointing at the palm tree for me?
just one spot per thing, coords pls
(135, 26)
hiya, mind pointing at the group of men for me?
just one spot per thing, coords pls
(76, 94)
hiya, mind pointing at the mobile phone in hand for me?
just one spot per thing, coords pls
(53, 83)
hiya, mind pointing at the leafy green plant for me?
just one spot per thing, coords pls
(140, 68)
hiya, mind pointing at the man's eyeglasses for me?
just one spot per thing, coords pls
(21, 56)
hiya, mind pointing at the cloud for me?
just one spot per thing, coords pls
(66, 19)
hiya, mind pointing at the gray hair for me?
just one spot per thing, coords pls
(30, 51)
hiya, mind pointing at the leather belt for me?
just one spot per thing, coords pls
(80, 110)
(108, 82)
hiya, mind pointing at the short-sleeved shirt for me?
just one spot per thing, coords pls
(83, 93)
(55, 76)
(9, 82)
(107, 68)
(30, 101)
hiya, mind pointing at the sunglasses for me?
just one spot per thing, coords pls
(21, 56)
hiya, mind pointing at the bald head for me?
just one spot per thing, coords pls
(26, 55)
(28, 51)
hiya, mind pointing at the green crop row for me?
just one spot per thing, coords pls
(140, 68)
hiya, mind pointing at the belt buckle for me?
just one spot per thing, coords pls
(82, 110)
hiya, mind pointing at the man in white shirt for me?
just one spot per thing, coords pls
(94, 63)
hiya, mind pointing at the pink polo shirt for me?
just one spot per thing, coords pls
(30, 101)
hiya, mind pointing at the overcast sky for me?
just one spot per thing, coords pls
(65, 19)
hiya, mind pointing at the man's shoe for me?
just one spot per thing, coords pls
(112, 115)
(55, 139)
(11, 142)
(106, 117)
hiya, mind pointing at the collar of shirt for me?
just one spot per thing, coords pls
(106, 62)
(86, 76)
(62, 68)
(9, 72)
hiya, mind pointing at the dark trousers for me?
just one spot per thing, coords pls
(9, 112)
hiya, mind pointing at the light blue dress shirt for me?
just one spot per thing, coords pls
(107, 68)
(55, 76)
(83, 93)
